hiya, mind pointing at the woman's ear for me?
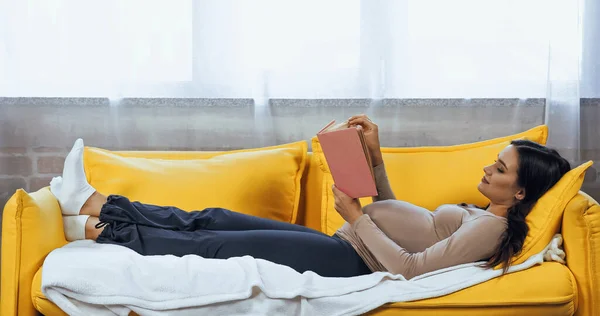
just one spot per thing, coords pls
(520, 195)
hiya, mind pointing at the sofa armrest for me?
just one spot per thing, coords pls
(31, 228)
(581, 233)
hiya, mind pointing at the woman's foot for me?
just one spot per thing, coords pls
(79, 227)
(75, 227)
(72, 190)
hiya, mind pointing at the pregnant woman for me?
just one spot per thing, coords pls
(387, 235)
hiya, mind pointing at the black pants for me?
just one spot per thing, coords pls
(219, 233)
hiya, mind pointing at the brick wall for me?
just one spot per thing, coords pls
(28, 168)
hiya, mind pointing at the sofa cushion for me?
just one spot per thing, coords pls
(581, 232)
(41, 303)
(31, 228)
(545, 218)
(428, 176)
(263, 182)
(528, 292)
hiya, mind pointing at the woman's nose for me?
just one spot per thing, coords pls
(486, 170)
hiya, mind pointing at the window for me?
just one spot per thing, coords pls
(95, 47)
(286, 49)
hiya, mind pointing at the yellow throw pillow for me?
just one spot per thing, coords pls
(428, 176)
(32, 227)
(263, 182)
(545, 218)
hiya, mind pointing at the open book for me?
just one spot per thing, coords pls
(348, 159)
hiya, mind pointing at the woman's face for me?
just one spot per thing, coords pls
(499, 182)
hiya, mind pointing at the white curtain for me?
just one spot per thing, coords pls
(563, 89)
(287, 49)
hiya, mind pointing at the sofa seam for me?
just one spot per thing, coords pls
(19, 238)
(36, 303)
(325, 206)
(301, 168)
(575, 290)
(319, 151)
(566, 299)
(592, 259)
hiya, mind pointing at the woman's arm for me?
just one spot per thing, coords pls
(473, 241)
(384, 190)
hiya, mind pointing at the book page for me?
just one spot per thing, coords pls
(336, 127)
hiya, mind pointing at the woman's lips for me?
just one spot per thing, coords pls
(484, 180)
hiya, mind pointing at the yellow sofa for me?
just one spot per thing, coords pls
(32, 225)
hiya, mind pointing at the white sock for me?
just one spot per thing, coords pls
(56, 186)
(73, 190)
(75, 227)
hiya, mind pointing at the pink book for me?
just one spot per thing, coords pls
(348, 159)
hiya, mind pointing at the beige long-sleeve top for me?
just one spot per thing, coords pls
(403, 238)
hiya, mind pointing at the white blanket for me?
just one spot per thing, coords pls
(86, 278)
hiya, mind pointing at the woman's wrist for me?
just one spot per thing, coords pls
(376, 159)
(352, 221)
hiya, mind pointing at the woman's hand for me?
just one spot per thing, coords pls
(371, 132)
(348, 207)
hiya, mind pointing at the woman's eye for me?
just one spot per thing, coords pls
(499, 169)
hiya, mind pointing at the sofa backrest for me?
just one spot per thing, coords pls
(581, 233)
